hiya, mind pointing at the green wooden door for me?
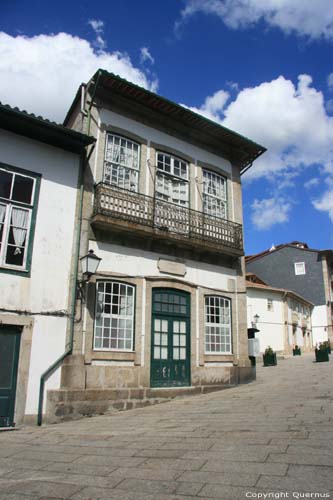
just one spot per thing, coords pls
(170, 353)
(9, 355)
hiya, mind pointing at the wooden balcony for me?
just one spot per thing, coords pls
(120, 210)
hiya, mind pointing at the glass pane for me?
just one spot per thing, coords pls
(183, 340)
(175, 353)
(164, 339)
(156, 353)
(176, 340)
(157, 339)
(5, 183)
(157, 325)
(164, 353)
(164, 326)
(182, 327)
(182, 353)
(175, 327)
(22, 189)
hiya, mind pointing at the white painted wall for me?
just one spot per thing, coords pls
(47, 288)
(271, 323)
(319, 324)
(139, 263)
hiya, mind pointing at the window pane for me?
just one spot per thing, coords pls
(121, 162)
(5, 183)
(22, 189)
(214, 194)
(218, 325)
(112, 310)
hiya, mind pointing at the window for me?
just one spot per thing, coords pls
(270, 305)
(121, 166)
(214, 194)
(114, 321)
(17, 199)
(299, 268)
(217, 325)
(172, 179)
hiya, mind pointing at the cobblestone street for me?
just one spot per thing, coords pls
(274, 435)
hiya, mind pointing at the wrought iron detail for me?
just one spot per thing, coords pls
(145, 210)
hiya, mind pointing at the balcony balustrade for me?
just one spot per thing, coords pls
(135, 212)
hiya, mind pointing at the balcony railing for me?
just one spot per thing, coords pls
(164, 217)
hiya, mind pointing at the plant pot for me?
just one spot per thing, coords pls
(297, 352)
(270, 359)
(321, 355)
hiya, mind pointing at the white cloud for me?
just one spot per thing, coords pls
(98, 27)
(41, 74)
(303, 17)
(145, 55)
(330, 81)
(311, 183)
(270, 211)
(325, 203)
(213, 106)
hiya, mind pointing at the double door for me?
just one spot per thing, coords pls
(170, 354)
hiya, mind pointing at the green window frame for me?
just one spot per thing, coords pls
(19, 194)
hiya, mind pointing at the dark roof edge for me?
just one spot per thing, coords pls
(40, 129)
(189, 112)
(252, 258)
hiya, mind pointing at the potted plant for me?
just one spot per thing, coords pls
(269, 357)
(328, 345)
(296, 351)
(321, 352)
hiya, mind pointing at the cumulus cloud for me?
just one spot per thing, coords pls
(330, 81)
(289, 119)
(309, 18)
(270, 211)
(325, 203)
(311, 183)
(41, 74)
(145, 56)
(98, 27)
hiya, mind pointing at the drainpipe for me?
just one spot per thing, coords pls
(46, 375)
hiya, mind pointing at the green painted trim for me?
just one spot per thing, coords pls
(16, 331)
(177, 317)
(34, 206)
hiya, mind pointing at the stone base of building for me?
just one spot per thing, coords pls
(71, 404)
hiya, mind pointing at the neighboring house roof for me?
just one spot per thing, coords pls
(238, 149)
(294, 244)
(40, 129)
(251, 284)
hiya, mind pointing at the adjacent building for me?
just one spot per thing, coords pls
(306, 271)
(162, 208)
(39, 175)
(281, 317)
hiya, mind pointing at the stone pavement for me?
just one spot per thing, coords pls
(274, 436)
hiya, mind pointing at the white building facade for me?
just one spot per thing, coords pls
(166, 311)
(39, 171)
(282, 318)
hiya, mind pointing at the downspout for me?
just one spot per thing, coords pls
(46, 375)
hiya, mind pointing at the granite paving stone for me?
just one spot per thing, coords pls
(273, 435)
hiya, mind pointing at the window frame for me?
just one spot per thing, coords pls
(222, 325)
(296, 267)
(206, 171)
(172, 177)
(113, 349)
(131, 169)
(270, 305)
(25, 269)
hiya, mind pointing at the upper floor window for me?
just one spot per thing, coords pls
(270, 306)
(214, 194)
(218, 325)
(121, 166)
(17, 193)
(114, 319)
(172, 179)
(299, 268)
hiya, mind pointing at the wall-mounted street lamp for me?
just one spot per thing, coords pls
(256, 318)
(89, 265)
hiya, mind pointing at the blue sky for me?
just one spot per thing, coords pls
(264, 69)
